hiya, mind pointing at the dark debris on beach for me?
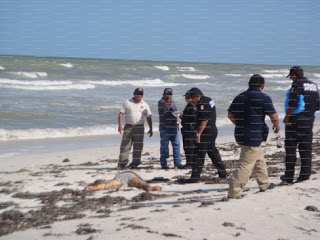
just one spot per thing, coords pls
(76, 202)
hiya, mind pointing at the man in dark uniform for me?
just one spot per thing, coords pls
(206, 136)
(189, 130)
(299, 125)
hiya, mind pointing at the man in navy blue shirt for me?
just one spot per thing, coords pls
(303, 102)
(247, 113)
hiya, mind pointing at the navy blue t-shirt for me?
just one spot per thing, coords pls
(249, 124)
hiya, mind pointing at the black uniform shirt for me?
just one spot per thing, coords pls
(189, 119)
(206, 110)
(310, 92)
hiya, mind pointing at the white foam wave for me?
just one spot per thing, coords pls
(186, 69)
(232, 75)
(67, 65)
(285, 88)
(35, 83)
(50, 88)
(284, 71)
(191, 76)
(223, 122)
(164, 68)
(174, 76)
(147, 83)
(30, 74)
(316, 75)
(109, 107)
(2, 68)
(274, 75)
(36, 133)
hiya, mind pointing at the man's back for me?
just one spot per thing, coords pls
(310, 92)
(249, 109)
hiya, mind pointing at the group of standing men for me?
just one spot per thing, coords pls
(247, 112)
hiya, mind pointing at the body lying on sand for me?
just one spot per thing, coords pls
(128, 178)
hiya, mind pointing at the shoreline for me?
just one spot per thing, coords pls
(39, 146)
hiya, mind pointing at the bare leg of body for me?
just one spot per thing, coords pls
(139, 183)
(107, 185)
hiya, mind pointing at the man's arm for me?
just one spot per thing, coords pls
(275, 121)
(289, 112)
(149, 120)
(231, 117)
(120, 118)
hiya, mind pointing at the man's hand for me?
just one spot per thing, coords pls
(120, 129)
(197, 138)
(150, 133)
(286, 120)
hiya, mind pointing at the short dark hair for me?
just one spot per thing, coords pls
(256, 80)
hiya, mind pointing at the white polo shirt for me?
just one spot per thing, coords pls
(134, 112)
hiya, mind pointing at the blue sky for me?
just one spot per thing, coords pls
(276, 32)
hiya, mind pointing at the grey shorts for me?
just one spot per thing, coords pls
(126, 177)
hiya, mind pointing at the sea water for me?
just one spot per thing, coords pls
(60, 98)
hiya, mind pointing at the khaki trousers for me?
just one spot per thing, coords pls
(132, 136)
(251, 160)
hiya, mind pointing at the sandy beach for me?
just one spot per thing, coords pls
(42, 198)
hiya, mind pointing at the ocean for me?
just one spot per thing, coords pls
(66, 98)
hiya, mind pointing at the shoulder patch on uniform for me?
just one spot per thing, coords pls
(212, 103)
(310, 87)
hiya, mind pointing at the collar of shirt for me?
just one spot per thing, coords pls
(132, 100)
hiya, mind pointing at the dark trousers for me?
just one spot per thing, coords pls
(299, 134)
(207, 145)
(189, 145)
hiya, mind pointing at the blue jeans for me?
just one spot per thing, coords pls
(166, 135)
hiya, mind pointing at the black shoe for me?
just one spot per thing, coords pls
(188, 180)
(285, 180)
(179, 167)
(187, 166)
(165, 167)
(301, 179)
(271, 186)
(225, 177)
(121, 167)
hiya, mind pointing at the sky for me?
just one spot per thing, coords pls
(285, 32)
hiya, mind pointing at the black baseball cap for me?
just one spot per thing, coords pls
(187, 94)
(138, 91)
(195, 91)
(167, 91)
(295, 70)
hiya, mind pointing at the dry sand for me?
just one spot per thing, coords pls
(41, 199)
